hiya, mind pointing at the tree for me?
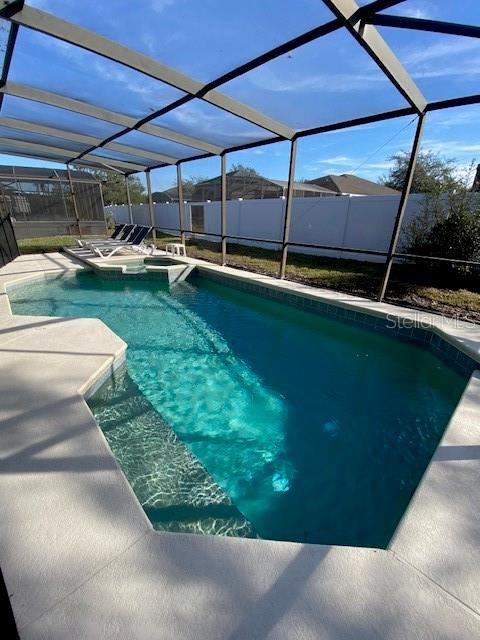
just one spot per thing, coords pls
(433, 174)
(113, 186)
(241, 168)
(190, 183)
(449, 225)
(161, 196)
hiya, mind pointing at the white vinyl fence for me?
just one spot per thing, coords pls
(354, 222)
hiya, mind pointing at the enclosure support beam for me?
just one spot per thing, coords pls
(150, 207)
(223, 161)
(421, 24)
(83, 108)
(288, 209)
(74, 200)
(68, 32)
(129, 202)
(181, 208)
(12, 38)
(372, 42)
(100, 190)
(402, 206)
(32, 127)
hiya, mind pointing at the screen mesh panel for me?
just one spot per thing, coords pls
(50, 116)
(311, 87)
(157, 145)
(53, 65)
(463, 11)
(37, 138)
(39, 200)
(202, 39)
(89, 201)
(443, 66)
(124, 157)
(317, 81)
(28, 153)
(49, 198)
(4, 35)
(203, 120)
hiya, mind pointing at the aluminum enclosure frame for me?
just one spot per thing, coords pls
(359, 22)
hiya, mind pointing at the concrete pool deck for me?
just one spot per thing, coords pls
(81, 560)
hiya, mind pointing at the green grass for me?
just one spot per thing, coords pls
(47, 245)
(409, 286)
(424, 288)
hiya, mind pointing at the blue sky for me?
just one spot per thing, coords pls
(328, 80)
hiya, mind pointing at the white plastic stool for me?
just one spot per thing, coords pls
(176, 249)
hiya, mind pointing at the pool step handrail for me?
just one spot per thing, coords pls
(183, 275)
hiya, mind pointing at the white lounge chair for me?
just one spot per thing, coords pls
(135, 243)
(121, 232)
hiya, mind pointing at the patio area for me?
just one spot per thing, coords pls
(103, 572)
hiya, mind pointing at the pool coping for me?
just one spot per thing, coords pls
(429, 574)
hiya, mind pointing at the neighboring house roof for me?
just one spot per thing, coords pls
(9, 171)
(253, 179)
(172, 192)
(350, 184)
(256, 177)
(301, 186)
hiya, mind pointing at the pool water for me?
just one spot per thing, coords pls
(310, 429)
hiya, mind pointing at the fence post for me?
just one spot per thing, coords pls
(74, 200)
(288, 208)
(223, 188)
(402, 205)
(129, 202)
(181, 207)
(150, 207)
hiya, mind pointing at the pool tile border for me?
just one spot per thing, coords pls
(350, 310)
(416, 597)
(428, 339)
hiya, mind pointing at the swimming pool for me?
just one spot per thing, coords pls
(241, 415)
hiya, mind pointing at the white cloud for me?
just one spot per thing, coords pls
(219, 123)
(451, 147)
(132, 83)
(416, 13)
(160, 5)
(151, 93)
(310, 168)
(347, 164)
(455, 117)
(266, 78)
(439, 50)
(378, 165)
(338, 160)
(419, 9)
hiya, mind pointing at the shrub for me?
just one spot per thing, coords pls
(449, 224)
(448, 227)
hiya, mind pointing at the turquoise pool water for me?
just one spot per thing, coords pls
(311, 429)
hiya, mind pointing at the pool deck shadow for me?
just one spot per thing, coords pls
(81, 560)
